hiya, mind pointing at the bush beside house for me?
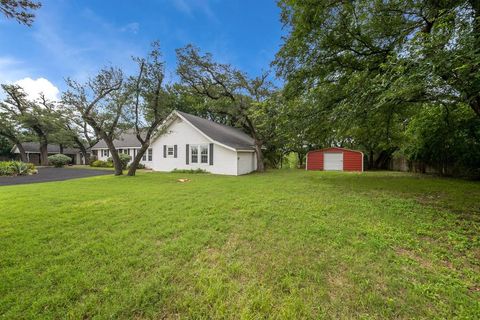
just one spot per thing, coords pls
(101, 164)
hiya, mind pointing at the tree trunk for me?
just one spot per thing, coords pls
(43, 151)
(370, 160)
(475, 105)
(114, 154)
(137, 159)
(60, 146)
(301, 158)
(83, 150)
(21, 149)
(260, 164)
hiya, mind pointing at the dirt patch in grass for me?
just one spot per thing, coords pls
(412, 255)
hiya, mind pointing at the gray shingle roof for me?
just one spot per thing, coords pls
(226, 135)
(34, 147)
(126, 139)
(229, 136)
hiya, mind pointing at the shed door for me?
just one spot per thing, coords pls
(333, 161)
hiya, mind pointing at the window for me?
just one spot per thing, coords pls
(199, 153)
(104, 152)
(170, 151)
(204, 153)
(194, 152)
(150, 154)
(127, 151)
(120, 150)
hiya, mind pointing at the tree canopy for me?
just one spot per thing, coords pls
(20, 10)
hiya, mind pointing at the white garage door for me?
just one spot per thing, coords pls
(333, 161)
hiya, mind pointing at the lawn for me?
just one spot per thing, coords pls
(284, 244)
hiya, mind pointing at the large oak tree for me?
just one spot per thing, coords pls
(237, 95)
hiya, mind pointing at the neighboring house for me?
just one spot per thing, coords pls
(32, 149)
(190, 142)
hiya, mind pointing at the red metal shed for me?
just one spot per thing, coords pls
(335, 159)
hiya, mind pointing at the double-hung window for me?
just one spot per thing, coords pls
(105, 152)
(199, 153)
(150, 154)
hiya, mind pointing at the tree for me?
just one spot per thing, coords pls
(150, 105)
(77, 130)
(101, 102)
(20, 10)
(10, 130)
(432, 43)
(236, 94)
(38, 115)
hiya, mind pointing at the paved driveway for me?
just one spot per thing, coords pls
(53, 174)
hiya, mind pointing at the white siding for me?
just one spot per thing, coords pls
(147, 163)
(181, 133)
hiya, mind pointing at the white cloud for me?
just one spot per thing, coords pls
(41, 85)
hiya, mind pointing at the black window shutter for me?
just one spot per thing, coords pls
(188, 149)
(211, 154)
(164, 151)
(175, 151)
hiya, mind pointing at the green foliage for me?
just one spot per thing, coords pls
(5, 146)
(369, 68)
(101, 164)
(59, 160)
(447, 138)
(6, 168)
(188, 171)
(287, 244)
(291, 161)
(124, 160)
(16, 168)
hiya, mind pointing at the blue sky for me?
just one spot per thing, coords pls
(76, 38)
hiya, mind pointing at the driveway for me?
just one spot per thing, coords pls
(53, 174)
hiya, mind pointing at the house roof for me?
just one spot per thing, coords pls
(126, 139)
(226, 135)
(34, 147)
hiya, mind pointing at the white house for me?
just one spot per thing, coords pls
(190, 142)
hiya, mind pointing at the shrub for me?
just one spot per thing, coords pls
(59, 160)
(6, 168)
(16, 168)
(140, 166)
(20, 168)
(189, 171)
(124, 160)
(101, 164)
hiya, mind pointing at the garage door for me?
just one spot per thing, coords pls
(333, 161)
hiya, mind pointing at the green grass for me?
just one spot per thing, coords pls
(285, 244)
